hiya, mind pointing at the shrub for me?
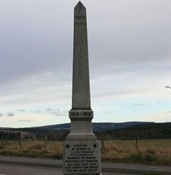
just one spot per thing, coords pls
(136, 157)
(150, 157)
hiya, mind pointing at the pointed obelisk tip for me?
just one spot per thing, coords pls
(79, 9)
(79, 4)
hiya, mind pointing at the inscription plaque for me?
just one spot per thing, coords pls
(81, 157)
(81, 114)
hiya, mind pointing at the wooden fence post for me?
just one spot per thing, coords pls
(137, 139)
(45, 140)
(19, 139)
(103, 144)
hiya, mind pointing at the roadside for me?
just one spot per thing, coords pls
(147, 152)
(106, 167)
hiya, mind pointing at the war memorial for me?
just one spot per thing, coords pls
(81, 153)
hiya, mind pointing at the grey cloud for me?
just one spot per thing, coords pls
(50, 110)
(168, 112)
(25, 120)
(37, 112)
(157, 102)
(110, 112)
(21, 110)
(139, 104)
(1, 114)
(56, 112)
(10, 114)
(31, 51)
(65, 112)
(134, 34)
(142, 42)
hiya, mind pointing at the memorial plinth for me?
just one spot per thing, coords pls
(81, 149)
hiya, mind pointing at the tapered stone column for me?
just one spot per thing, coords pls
(81, 148)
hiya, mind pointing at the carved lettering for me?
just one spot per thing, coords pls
(80, 114)
(84, 159)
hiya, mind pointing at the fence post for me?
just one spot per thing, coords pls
(103, 144)
(45, 140)
(137, 139)
(19, 139)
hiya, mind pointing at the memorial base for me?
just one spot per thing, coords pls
(81, 157)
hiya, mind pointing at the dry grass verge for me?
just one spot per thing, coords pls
(153, 152)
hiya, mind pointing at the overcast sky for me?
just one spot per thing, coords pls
(129, 57)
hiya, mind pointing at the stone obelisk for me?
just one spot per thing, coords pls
(81, 153)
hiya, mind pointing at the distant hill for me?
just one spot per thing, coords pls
(145, 131)
(112, 126)
(126, 130)
(96, 127)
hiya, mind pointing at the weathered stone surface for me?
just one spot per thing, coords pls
(81, 150)
(81, 113)
(82, 158)
(81, 126)
(81, 88)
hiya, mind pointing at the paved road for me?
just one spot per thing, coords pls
(111, 168)
(32, 170)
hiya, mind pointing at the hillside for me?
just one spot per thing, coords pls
(127, 130)
(101, 127)
(145, 131)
